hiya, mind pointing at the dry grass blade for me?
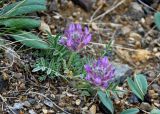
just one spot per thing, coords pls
(109, 10)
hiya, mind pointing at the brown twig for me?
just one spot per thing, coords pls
(4, 101)
(154, 79)
(109, 10)
(146, 5)
(50, 101)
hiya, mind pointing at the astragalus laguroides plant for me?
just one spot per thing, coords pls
(75, 37)
(100, 72)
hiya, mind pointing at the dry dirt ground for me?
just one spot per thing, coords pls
(127, 24)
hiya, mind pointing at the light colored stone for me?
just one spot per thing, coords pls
(155, 49)
(135, 35)
(92, 110)
(78, 102)
(145, 106)
(27, 104)
(136, 7)
(126, 30)
(155, 87)
(32, 111)
(155, 96)
(44, 27)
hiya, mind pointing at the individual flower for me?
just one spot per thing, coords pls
(100, 73)
(75, 38)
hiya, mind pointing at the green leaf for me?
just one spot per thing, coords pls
(36, 69)
(135, 88)
(141, 81)
(2, 41)
(30, 40)
(85, 93)
(155, 111)
(130, 111)
(23, 7)
(106, 101)
(42, 78)
(157, 19)
(20, 23)
(49, 70)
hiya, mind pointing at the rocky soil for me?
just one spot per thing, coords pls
(127, 24)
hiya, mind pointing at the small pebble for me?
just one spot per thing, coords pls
(135, 35)
(145, 106)
(38, 106)
(78, 102)
(155, 96)
(27, 104)
(32, 111)
(151, 92)
(74, 14)
(155, 49)
(18, 75)
(31, 101)
(92, 110)
(155, 87)
(133, 99)
(126, 29)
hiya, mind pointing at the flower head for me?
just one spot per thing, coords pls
(75, 38)
(100, 72)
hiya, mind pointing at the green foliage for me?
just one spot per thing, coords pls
(52, 60)
(42, 78)
(57, 61)
(106, 101)
(30, 40)
(20, 23)
(85, 87)
(138, 86)
(155, 111)
(23, 7)
(51, 68)
(130, 111)
(112, 90)
(108, 49)
(157, 19)
(13, 21)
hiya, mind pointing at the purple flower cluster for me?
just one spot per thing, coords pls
(75, 38)
(100, 72)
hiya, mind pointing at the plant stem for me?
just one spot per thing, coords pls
(71, 59)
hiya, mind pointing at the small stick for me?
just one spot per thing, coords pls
(115, 46)
(95, 13)
(4, 101)
(108, 11)
(146, 5)
(154, 79)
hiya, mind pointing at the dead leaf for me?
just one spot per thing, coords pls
(124, 54)
(133, 56)
(141, 55)
(94, 26)
(31, 111)
(44, 27)
(78, 102)
(45, 111)
(69, 73)
(21, 112)
(157, 54)
(92, 110)
(12, 56)
(5, 76)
